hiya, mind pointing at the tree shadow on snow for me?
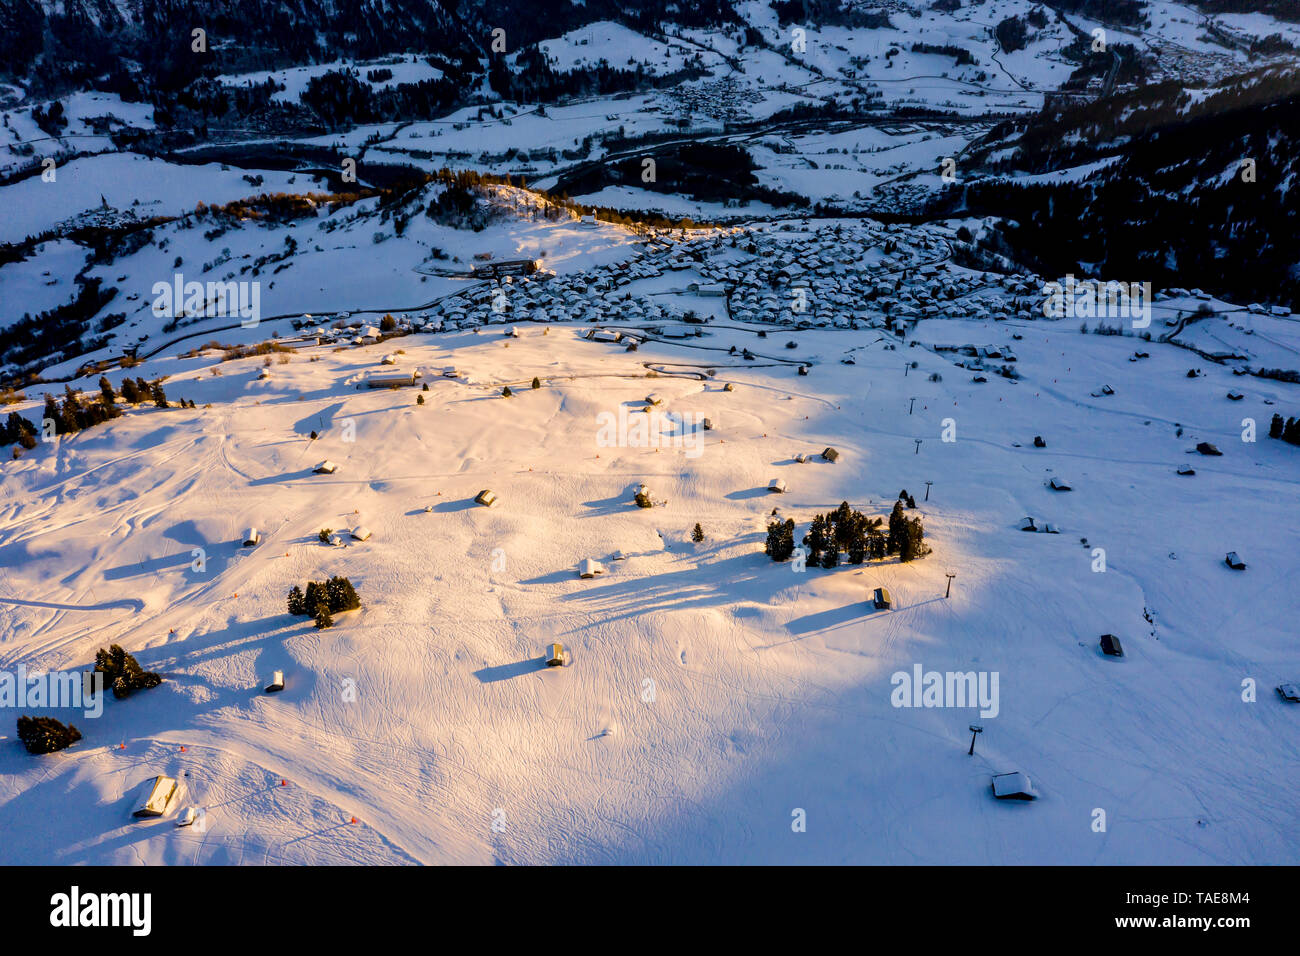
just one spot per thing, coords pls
(694, 586)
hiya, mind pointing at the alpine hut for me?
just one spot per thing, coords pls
(159, 795)
(1013, 786)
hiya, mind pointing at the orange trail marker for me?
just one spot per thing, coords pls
(121, 746)
(355, 820)
(284, 783)
(182, 748)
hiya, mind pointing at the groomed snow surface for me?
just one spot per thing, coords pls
(709, 693)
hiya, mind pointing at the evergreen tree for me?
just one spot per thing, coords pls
(130, 394)
(817, 540)
(877, 544)
(911, 546)
(51, 414)
(340, 595)
(780, 540)
(856, 539)
(897, 528)
(45, 735)
(20, 430)
(537, 382)
(69, 416)
(297, 605)
(106, 390)
(505, 392)
(158, 395)
(322, 615)
(697, 534)
(133, 678)
(1275, 427)
(122, 672)
(842, 520)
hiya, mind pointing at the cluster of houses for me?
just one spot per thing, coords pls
(841, 274)
(724, 99)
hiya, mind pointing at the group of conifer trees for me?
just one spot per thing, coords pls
(1287, 430)
(77, 412)
(851, 534)
(120, 671)
(323, 599)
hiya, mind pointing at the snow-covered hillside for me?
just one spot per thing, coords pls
(711, 692)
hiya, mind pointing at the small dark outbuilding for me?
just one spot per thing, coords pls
(882, 600)
(1110, 646)
(1234, 562)
(1038, 442)
(1013, 786)
(1205, 448)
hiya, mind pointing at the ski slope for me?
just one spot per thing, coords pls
(711, 693)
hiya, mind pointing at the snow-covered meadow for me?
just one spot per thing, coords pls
(711, 693)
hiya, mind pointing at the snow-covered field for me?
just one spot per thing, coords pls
(711, 693)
